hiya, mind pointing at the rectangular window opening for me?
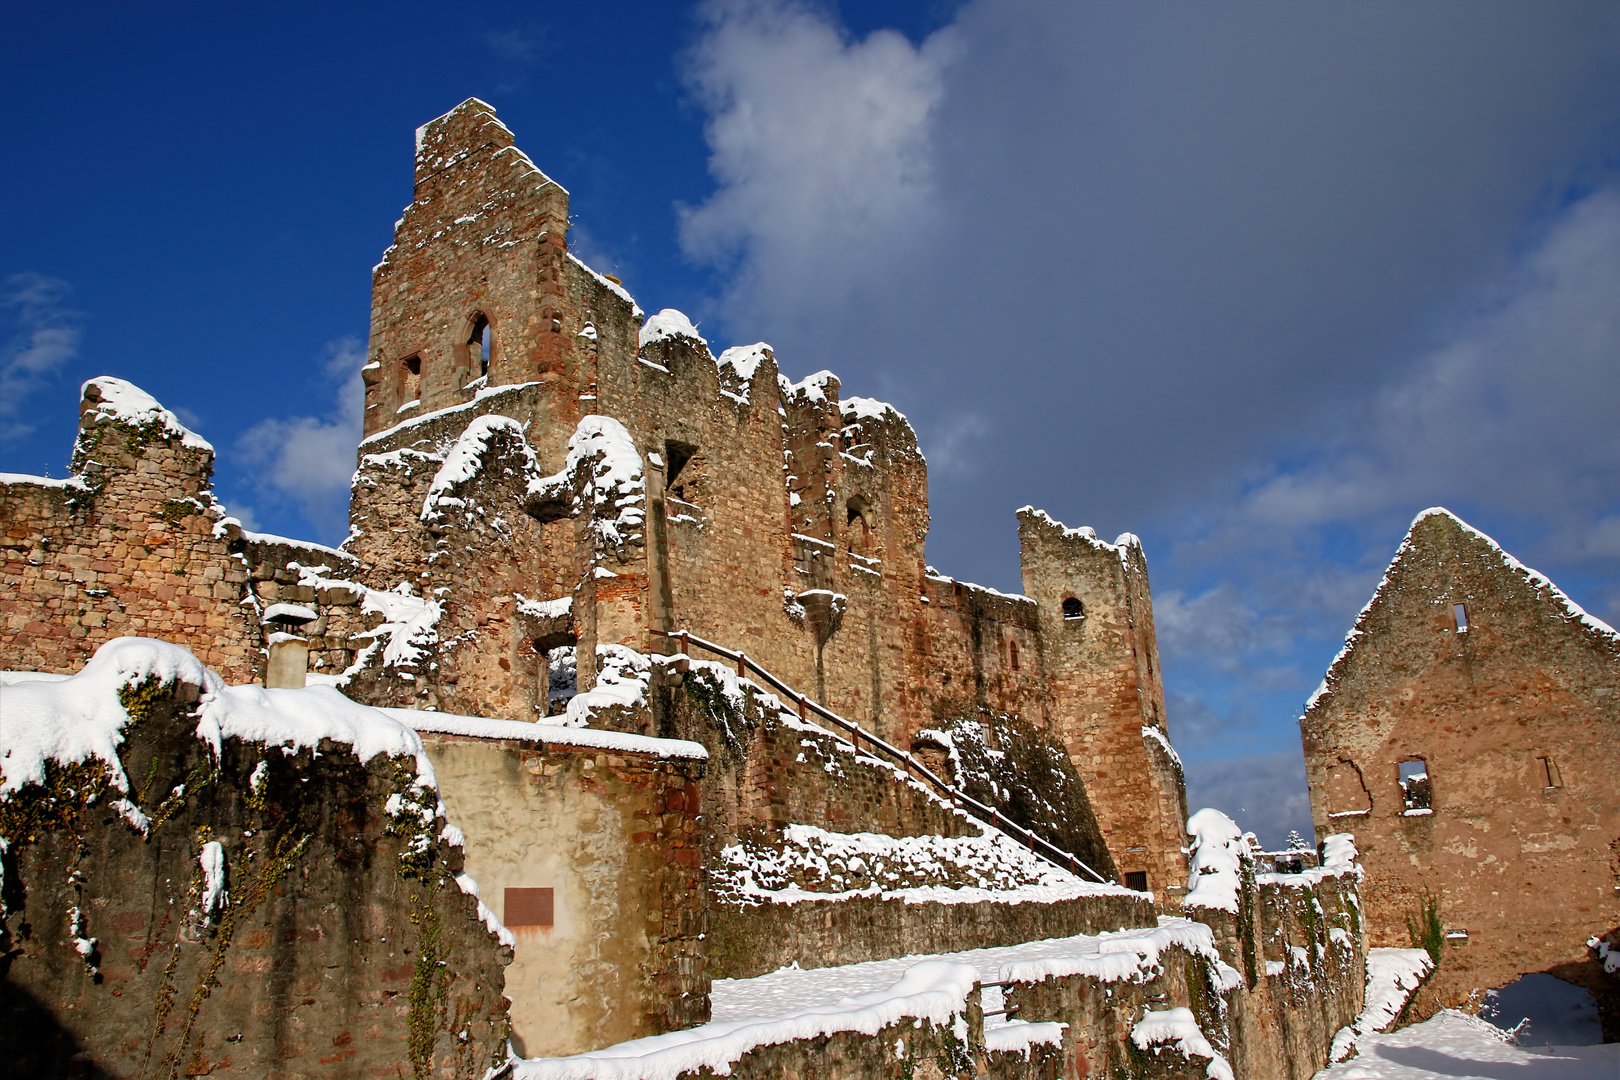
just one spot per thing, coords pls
(1547, 770)
(529, 907)
(1460, 613)
(1136, 879)
(1416, 791)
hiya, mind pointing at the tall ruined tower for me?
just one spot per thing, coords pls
(1106, 692)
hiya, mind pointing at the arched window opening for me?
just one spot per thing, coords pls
(481, 340)
(1073, 609)
(410, 381)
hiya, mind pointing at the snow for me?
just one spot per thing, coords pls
(465, 458)
(666, 326)
(439, 414)
(810, 388)
(742, 361)
(1539, 581)
(545, 609)
(622, 678)
(854, 409)
(1154, 734)
(1609, 954)
(1215, 860)
(410, 623)
(1018, 1036)
(125, 403)
(212, 860)
(1455, 1044)
(1122, 546)
(14, 678)
(1338, 860)
(617, 742)
(616, 488)
(933, 990)
(286, 541)
(492, 922)
(945, 579)
(990, 867)
(289, 612)
(1393, 976)
(72, 483)
(1178, 1028)
(80, 718)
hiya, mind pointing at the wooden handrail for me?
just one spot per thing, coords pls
(988, 814)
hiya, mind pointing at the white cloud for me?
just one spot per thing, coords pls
(47, 337)
(1515, 412)
(820, 145)
(308, 461)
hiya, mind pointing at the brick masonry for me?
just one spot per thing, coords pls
(1527, 864)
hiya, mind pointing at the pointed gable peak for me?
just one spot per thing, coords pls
(447, 139)
(1436, 530)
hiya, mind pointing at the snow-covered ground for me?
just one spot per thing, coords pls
(1454, 1044)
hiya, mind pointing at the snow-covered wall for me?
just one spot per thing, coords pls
(189, 863)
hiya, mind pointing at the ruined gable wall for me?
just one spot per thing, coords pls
(484, 234)
(128, 547)
(1527, 870)
(1101, 695)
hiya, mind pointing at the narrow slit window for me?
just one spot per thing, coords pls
(1547, 772)
(1012, 654)
(410, 383)
(482, 340)
(1460, 613)
(529, 908)
(1416, 792)
(1073, 609)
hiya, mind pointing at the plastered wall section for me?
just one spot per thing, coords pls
(1529, 870)
(617, 837)
(1104, 686)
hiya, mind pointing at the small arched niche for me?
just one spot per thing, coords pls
(1073, 610)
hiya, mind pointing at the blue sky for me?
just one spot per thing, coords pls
(1256, 282)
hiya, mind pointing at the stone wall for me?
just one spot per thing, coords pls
(1520, 862)
(617, 838)
(341, 946)
(781, 519)
(1106, 691)
(128, 546)
(756, 939)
